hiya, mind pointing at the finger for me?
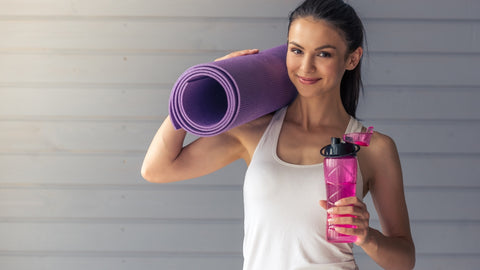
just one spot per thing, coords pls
(359, 232)
(344, 220)
(238, 53)
(348, 200)
(244, 52)
(349, 220)
(323, 204)
(351, 201)
(349, 210)
(343, 210)
(349, 231)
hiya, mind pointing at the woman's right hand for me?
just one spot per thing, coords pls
(238, 53)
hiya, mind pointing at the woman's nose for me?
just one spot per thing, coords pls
(308, 65)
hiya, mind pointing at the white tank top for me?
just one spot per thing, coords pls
(285, 226)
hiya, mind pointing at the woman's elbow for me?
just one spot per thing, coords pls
(412, 256)
(152, 175)
(410, 259)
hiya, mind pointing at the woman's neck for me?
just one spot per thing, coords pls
(315, 112)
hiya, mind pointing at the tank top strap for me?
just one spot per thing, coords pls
(354, 126)
(272, 132)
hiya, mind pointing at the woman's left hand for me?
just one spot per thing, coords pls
(359, 218)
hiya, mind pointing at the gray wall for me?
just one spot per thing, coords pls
(84, 86)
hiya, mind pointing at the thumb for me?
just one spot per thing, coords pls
(323, 204)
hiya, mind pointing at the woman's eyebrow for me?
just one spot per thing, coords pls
(319, 48)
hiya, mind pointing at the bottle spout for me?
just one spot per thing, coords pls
(359, 138)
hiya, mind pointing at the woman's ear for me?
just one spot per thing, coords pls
(354, 58)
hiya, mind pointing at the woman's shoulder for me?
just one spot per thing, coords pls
(382, 152)
(380, 160)
(381, 142)
(382, 147)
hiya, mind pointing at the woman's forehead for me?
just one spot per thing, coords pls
(315, 33)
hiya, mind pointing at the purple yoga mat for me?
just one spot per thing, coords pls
(210, 98)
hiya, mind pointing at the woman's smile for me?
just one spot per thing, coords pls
(307, 80)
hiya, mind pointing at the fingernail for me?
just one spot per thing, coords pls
(330, 210)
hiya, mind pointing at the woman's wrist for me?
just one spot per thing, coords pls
(371, 241)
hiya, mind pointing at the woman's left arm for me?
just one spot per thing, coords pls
(392, 248)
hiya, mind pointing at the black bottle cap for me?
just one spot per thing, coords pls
(337, 148)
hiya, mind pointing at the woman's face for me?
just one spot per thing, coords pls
(316, 57)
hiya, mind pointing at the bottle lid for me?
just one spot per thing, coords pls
(339, 149)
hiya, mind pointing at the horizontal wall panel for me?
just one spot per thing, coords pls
(447, 262)
(196, 202)
(183, 8)
(120, 262)
(85, 102)
(429, 9)
(135, 136)
(125, 262)
(422, 35)
(430, 238)
(428, 262)
(105, 237)
(415, 9)
(437, 205)
(45, 262)
(140, 101)
(422, 70)
(129, 34)
(94, 68)
(186, 238)
(163, 203)
(424, 137)
(70, 170)
(173, 34)
(429, 103)
(444, 204)
(443, 170)
(76, 136)
(409, 69)
(118, 170)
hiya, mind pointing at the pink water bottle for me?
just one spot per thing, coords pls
(340, 170)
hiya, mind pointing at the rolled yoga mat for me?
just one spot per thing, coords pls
(211, 98)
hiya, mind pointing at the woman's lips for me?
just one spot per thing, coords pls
(305, 80)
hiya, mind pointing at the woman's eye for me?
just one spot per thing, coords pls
(325, 54)
(296, 51)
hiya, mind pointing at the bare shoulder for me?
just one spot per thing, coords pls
(381, 144)
(382, 150)
(380, 160)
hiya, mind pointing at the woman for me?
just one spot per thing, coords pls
(284, 226)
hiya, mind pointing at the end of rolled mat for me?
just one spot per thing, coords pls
(173, 119)
(211, 98)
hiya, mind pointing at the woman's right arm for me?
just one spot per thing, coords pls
(167, 160)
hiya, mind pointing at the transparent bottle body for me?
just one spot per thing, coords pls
(340, 178)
